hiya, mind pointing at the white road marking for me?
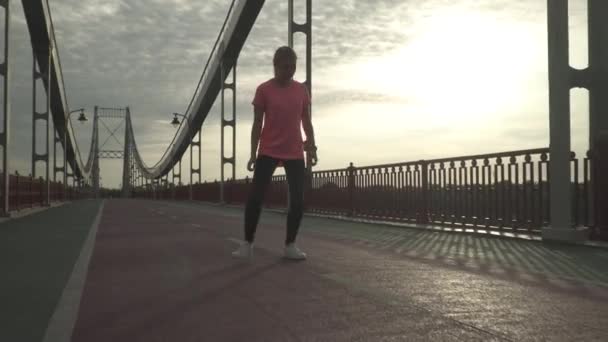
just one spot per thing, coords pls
(63, 320)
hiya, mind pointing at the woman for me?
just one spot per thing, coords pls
(281, 108)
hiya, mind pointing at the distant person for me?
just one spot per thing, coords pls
(281, 108)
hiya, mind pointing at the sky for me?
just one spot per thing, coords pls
(392, 80)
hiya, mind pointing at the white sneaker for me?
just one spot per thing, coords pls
(245, 250)
(293, 252)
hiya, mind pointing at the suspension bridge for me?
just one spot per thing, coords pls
(501, 246)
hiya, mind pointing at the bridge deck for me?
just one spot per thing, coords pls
(162, 271)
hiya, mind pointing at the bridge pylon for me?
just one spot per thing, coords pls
(112, 119)
(562, 78)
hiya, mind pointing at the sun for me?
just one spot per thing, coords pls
(459, 65)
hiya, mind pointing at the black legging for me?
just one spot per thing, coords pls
(264, 169)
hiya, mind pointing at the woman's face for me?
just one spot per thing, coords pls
(284, 68)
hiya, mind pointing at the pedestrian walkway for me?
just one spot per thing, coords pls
(162, 271)
(37, 256)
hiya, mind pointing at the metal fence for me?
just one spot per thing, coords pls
(506, 191)
(502, 191)
(28, 192)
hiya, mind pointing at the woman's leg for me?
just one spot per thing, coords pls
(262, 174)
(294, 169)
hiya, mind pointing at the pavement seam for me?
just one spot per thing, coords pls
(64, 318)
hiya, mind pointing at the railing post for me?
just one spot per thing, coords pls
(597, 74)
(5, 73)
(306, 29)
(561, 79)
(351, 190)
(31, 192)
(40, 180)
(423, 204)
(600, 187)
(227, 123)
(194, 170)
(17, 201)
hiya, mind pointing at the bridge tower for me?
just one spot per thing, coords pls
(562, 77)
(112, 119)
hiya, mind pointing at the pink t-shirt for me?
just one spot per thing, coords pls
(283, 108)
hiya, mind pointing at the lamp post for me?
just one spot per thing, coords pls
(176, 123)
(82, 119)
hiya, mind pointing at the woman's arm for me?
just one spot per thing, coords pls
(308, 129)
(256, 130)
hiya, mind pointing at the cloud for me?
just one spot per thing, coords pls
(149, 54)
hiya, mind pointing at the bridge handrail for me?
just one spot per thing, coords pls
(461, 158)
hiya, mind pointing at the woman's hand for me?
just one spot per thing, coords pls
(312, 156)
(251, 163)
(311, 151)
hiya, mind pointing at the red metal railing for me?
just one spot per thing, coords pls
(28, 192)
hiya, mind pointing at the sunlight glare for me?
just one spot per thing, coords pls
(461, 66)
